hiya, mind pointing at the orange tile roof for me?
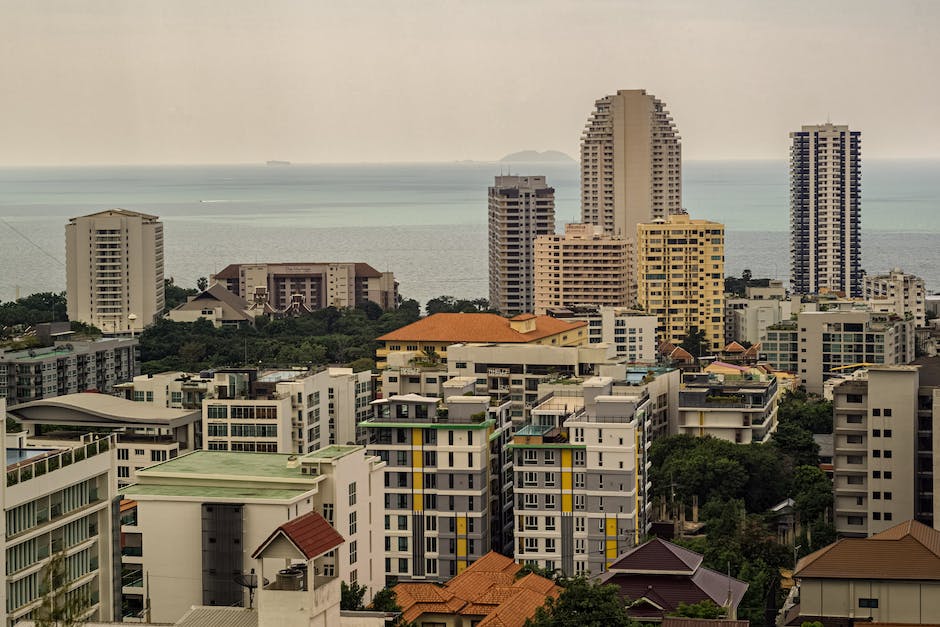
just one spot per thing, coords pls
(909, 550)
(487, 588)
(476, 327)
(310, 533)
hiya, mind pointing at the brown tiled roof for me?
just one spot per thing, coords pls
(733, 347)
(487, 588)
(476, 327)
(753, 351)
(910, 550)
(311, 534)
(657, 556)
(362, 269)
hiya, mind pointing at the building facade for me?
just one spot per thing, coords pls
(198, 518)
(580, 483)
(57, 520)
(67, 368)
(631, 333)
(820, 345)
(631, 163)
(740, 408)
(898, 292)
(285, 411)
(583, 266)
(521, 208)
(114, 270)
(318, 285)
(447, 482)
(680, 277)
(825, 210)
(885, 437)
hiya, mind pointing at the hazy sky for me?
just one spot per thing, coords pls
(221, 81)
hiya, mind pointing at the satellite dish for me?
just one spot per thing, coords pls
(250, 581)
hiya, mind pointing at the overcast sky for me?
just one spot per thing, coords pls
(227, 81)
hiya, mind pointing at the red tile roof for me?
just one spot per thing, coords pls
(311, 534)
(477, 327)
(910, 550)
(488, 588)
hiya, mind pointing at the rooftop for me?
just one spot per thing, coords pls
(477, 327)
(100, 409)
(310, 534)
(335, 451)
(228, 464)
(138, 490)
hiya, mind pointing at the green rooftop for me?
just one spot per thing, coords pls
(229, 463)
(334, 451)
(210, 492)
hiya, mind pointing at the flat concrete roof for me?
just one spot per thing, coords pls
(230, 464)
(211, 492)
(93, 408)
(334, 451)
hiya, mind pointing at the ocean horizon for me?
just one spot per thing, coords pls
(426, 222)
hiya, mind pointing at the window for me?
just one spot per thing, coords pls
(579, 502)
(123, 453)
(530, 456)
(549, 457)
(579, 479)
(887, 414)
(529, 479)
(887, 453)
(549, 523)
(352, 552)
(531, 545)
(854, 459)
(328, 512)
(530, 501)
(352, 493)
(550, 545)
(579, 523)
(869, 603)
(352, 523)
(549, 501)
(158, 456)
(402, 565)
(856, 520)
(123, 472)
(402, 544)
(579, 457)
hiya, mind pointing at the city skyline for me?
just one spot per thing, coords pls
(178, 82)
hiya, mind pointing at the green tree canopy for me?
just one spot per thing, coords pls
(583, 603)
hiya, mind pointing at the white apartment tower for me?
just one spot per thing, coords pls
(825, 210)
(631, 163)
(520, 209)
(899, 292)
(114, 270)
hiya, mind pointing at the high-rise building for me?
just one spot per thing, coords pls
(520, 209)
(114, 270)
(631, 163)
(585, 266)
(825, 210)
(898, 292)
(680, 277)
(886, 435)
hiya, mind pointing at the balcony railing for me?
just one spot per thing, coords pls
(26, 470)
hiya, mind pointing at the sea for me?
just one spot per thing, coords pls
(426, 222)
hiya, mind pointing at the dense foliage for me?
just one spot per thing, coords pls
(449, 304)
(174, 295)
(326, 336)
(33, 309)
(583, 603)
(735, 486)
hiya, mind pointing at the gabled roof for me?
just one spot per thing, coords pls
(488, 588)
(657, 556)
(311, 534)
(910, 550)
(733, 347)
(217, 293)
(476, 327)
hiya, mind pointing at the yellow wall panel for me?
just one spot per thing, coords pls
(566, 503)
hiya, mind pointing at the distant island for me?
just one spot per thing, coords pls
(534, 156)
(276, 163)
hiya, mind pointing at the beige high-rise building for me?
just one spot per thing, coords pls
(585, 266)
(631, 163)
(114, 270)
(825, 210)
(521, 208)
(680, 277)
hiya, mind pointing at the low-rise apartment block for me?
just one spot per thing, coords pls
(144, 434)
(285, 411)
(581, 480)
(431, 336)
(819, 345)
(447, 481)
(747, 319)
(66, 368)
(318, 284)
(899, 293)
(885, 434)
(199, 518)
(583, 266)
(57, 507)
(631, 333)
(176, 390)
(740, 408)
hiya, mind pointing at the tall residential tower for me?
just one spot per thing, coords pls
(631, 163)
(114, 270)
(520, 209)
(825, 210)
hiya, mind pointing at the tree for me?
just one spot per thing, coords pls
(173, 295)
(60, 607)
(797, 443)
(703, 609)
(583, 603)
(351, 596)
(695, 342)
(363, 363)
(202, 283)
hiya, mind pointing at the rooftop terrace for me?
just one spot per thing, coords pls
(228, 464)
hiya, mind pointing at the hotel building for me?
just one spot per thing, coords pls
(319, 285)
(825, 210)
(680, 277)
(521, 208)
(583, 266)
(631, 163)
(114, 270)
